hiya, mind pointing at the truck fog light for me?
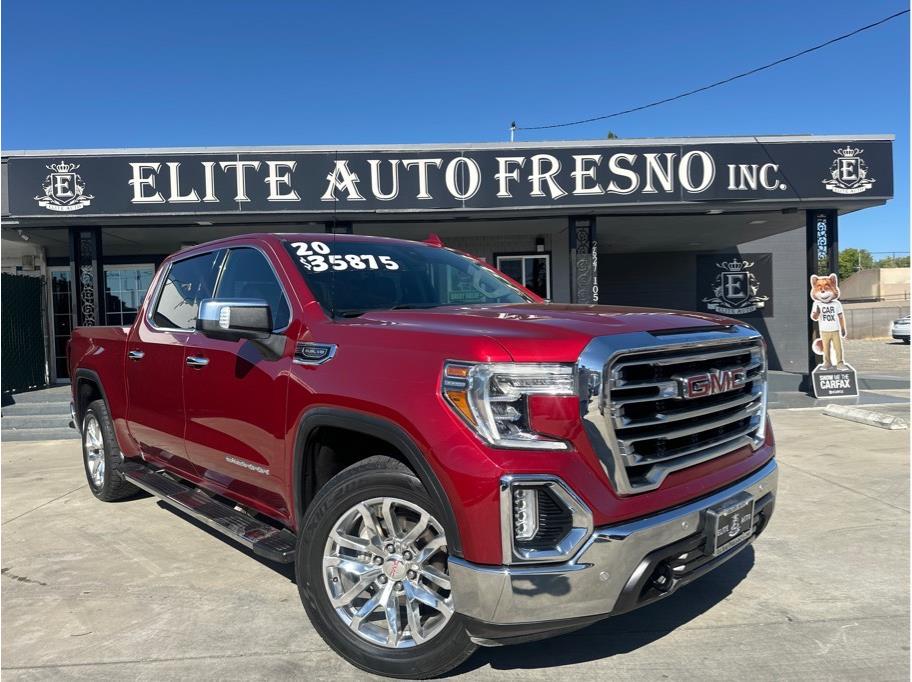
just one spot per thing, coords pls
(525, 513)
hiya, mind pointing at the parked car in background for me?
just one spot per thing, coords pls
(448, 460)
(899, 329)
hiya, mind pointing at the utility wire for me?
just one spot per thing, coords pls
(717, 83)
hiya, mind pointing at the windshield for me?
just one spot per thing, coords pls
(351, 277)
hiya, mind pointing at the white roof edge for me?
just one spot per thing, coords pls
(562, 144)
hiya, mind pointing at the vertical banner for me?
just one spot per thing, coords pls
(584, 257)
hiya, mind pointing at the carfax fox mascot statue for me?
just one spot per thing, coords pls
(827, 313)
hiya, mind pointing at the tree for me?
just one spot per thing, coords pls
(852, 260)
(612, 135)
(893, 262)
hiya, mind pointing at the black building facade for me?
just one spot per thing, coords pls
(728, 225)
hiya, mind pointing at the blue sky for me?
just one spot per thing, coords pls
(127, 74)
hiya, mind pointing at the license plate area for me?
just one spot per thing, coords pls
(729, 523)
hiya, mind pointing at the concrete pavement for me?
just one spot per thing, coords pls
(134, 591)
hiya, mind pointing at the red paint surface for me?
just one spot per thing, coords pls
(388, 365)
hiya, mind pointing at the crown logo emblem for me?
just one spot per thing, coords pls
(848, 152)
(64, 188)
(848, 172)
(62, 167)
(734, 265)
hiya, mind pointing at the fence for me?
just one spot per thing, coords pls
(21, 334)
(872, 322)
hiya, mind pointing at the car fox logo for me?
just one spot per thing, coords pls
(64, 189)
(849, 172)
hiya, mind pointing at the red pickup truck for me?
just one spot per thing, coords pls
(447, 459)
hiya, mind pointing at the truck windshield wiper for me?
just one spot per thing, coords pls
(348, 313)
(415, 306)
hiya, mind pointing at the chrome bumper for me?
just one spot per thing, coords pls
(592, 583)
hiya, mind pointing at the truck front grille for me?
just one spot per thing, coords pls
(644, 421)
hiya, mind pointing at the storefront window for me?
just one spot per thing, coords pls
(533, 271)
(125, 288)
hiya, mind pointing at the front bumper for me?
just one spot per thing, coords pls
(614, 571)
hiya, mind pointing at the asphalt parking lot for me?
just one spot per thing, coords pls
(133, 591)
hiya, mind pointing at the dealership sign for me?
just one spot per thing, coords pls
(447, 179)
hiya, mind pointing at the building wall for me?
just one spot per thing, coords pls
(669, 280)
(885, 284)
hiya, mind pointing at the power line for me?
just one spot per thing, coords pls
(717, 83)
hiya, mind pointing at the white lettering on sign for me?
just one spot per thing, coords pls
(460, 178)
(141, 180)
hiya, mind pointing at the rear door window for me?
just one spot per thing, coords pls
(188, 282)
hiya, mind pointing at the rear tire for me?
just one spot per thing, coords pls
(401, 623)
(101, 455)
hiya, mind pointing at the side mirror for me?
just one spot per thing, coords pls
(234, 319)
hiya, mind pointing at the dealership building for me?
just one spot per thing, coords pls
(733, 225)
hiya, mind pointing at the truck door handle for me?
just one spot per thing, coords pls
(197, 361)
(136, 355)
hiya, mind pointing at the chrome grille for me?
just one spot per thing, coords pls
(637, 416)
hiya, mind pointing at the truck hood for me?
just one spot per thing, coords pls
(532, 332)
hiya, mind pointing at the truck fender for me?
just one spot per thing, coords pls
(383, 429)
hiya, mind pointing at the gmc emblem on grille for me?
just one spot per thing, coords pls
(712, 382)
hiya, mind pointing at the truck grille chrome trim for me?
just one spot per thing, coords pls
(652, 404)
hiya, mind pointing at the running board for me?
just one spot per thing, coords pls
(261, 538)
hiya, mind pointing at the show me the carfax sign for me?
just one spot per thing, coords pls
(445, 179)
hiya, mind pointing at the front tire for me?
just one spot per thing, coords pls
(101, 455)
(371, 568)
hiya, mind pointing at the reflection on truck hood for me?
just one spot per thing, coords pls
(538, 331)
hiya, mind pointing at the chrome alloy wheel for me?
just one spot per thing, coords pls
(385, 571)
(93, 446)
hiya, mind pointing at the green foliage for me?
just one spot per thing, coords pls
(612, 136)
(893, 262)
(852, 260)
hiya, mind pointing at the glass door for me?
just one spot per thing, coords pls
(125, 288)
(60, 321)
(532, 270)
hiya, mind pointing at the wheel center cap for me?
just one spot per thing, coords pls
(395, 567)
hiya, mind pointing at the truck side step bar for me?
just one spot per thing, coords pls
(264, 540)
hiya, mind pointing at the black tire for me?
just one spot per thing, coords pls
(109, 486)
(370, 478)
(906, 340)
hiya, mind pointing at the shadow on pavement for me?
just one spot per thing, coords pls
(285, 570)
(624, 633)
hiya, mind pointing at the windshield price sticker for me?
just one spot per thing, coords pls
(316, 257)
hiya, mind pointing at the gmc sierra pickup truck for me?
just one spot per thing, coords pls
(448, 460)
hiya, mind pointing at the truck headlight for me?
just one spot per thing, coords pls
(492, 398)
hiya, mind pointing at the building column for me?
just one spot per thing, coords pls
(583, 260)
(87, 293)
(822, 239)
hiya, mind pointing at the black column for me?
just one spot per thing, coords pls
(583, 260)
(822, 239)
(87, 293)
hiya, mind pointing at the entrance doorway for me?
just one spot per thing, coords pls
(125, 288)
(532, 270)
